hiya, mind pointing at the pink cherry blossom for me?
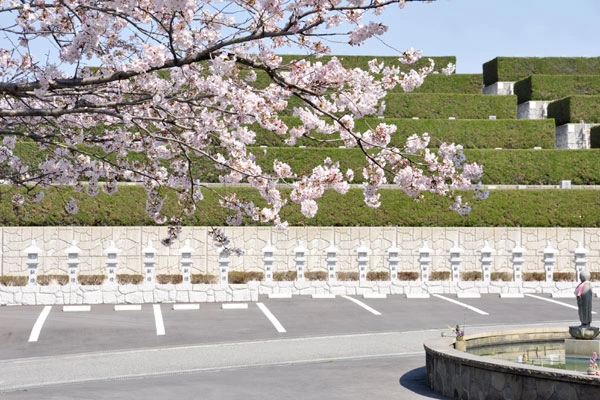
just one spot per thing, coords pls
(136, 91)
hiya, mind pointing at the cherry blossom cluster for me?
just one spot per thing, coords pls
(139, 91)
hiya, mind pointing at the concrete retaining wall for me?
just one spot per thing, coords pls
(93, 241)
(111, 293)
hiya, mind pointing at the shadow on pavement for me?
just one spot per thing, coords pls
(416, 381)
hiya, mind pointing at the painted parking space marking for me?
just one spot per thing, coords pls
(186, 307)
(82, 308)
(555, 302)
(458, 303)
(363, 305)
(158, 319)
(234, 306)
(39, 323)
(128, 307)
(271, 318)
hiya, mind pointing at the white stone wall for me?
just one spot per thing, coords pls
(131, 240)
(533, 110)
(186, 293)
(500, 88)
(573, 136)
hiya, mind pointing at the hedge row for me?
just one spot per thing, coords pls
(444, 106)
(595, 137)
(455, 83)
(552, 87)
(525, 208)
(501, 167)
(470, 133)
(574, 109)
(512, 69)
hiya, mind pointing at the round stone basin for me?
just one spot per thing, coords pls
(465, 375)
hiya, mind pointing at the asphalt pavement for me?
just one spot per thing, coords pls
(300, 348)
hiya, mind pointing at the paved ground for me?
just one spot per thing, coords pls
(300, 348)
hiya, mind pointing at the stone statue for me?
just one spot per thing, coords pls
(584, 299)
(583, 293)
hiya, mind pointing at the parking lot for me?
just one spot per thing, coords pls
(234, 338)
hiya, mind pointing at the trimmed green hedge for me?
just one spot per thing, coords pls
(443, 106)
(538, 167)
(512, 69)
(471, 133)
(526, 208)
(501, 167)
(455, 83)
(595, 137)
(552, 87)
(574, 109)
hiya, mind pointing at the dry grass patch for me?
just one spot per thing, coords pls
(50, 279)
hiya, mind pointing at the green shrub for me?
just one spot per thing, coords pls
(552, 87)
(537, 167)
(49, 279)
(512, 69)
(501, 276)
(165, 279)
(347, 276)
(595, 137)
(536, 208)
(439, 276)
(534, 276)
(236, 277)
(8, 280)
(206, 279)
(378, 276)
(470, 133)
(574, 109)
(455, 83)
(285, 276)
(408, 275)
(130, 279)
(316, 276)
(91, 279)
(443, 106)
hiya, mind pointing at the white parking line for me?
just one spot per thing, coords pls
(363, 305)
(77, 308)
(39, 323)
(555, 302)
(234, 306)
(477, 310)
(186, 307)
(128, 307)
(271, 318)
(158, 319)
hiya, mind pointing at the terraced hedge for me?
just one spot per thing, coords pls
(443, 106)
(536, 208)
(512, 69)
(455, 83)
(552, 87)
(471, 133)
(574, 109)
